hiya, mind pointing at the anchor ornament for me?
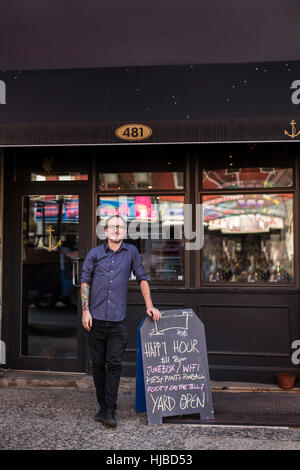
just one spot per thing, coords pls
(294, 133)
(50, 247)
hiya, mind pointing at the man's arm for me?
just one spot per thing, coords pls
(86, 280)
(141, 277)
(86, 316)
(151, 311)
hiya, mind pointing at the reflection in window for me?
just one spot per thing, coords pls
(140, 180)
(247, 178)
(248, 238)
(49, 300)
(71, 176)
(155, 226)
(54, 165)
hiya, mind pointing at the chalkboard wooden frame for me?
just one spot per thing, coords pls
(175, 366)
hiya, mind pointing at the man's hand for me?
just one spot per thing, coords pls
(154, 313)
(87, 320)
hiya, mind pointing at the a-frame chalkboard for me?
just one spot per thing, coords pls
(175, 366)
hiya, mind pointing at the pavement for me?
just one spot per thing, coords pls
(53, 411)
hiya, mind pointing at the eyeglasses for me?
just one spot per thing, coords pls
(115, 227)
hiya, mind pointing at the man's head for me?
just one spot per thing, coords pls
(115, 228)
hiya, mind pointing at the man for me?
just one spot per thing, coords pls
(104, 285)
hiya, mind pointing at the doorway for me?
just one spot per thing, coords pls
(46, 242)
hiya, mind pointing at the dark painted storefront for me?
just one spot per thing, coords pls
(224, 136)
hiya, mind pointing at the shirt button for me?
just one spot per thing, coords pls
(109, 301)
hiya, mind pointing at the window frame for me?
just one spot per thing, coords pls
(294, 190)
(140, 191)
(186, 192)
(186, 260)
(22, 176)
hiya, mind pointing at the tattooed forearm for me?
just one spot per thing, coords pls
(85, 295)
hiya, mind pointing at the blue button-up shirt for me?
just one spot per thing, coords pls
(108, 273)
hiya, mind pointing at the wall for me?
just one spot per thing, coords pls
(249, 333)
(2, 348)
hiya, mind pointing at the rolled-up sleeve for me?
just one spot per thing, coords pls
(87, 268)
(137, 266)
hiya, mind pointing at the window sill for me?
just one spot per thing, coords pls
(208, 289)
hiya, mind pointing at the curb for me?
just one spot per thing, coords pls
(84, 382)
(38, 379)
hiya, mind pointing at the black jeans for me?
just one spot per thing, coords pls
(107, 343)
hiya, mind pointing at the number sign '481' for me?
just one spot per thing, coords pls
(133, 132)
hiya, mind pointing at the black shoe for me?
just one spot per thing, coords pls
(109, 418)
(100, 415)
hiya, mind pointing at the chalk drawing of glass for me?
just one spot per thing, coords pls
(173, 320)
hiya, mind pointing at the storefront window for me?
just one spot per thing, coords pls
(261, 177)
(140, 180)
(70, 176)
(155, 226)
(54, 165)
(247, 166)
(248, 238)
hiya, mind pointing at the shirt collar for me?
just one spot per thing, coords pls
(122, 247)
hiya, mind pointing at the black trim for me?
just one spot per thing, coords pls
(214, 103)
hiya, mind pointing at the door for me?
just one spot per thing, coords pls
(53, 243)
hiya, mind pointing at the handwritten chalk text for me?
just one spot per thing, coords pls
(185, 347)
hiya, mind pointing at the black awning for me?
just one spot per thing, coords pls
(163, 132)
(189, 103)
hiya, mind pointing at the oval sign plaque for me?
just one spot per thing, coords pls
(133, 132)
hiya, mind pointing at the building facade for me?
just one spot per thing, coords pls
(205, 168)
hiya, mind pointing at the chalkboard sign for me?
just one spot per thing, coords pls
(175, 366)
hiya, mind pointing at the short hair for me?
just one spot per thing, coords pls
(112, 217)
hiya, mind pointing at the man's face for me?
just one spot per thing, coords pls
(115, 230)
